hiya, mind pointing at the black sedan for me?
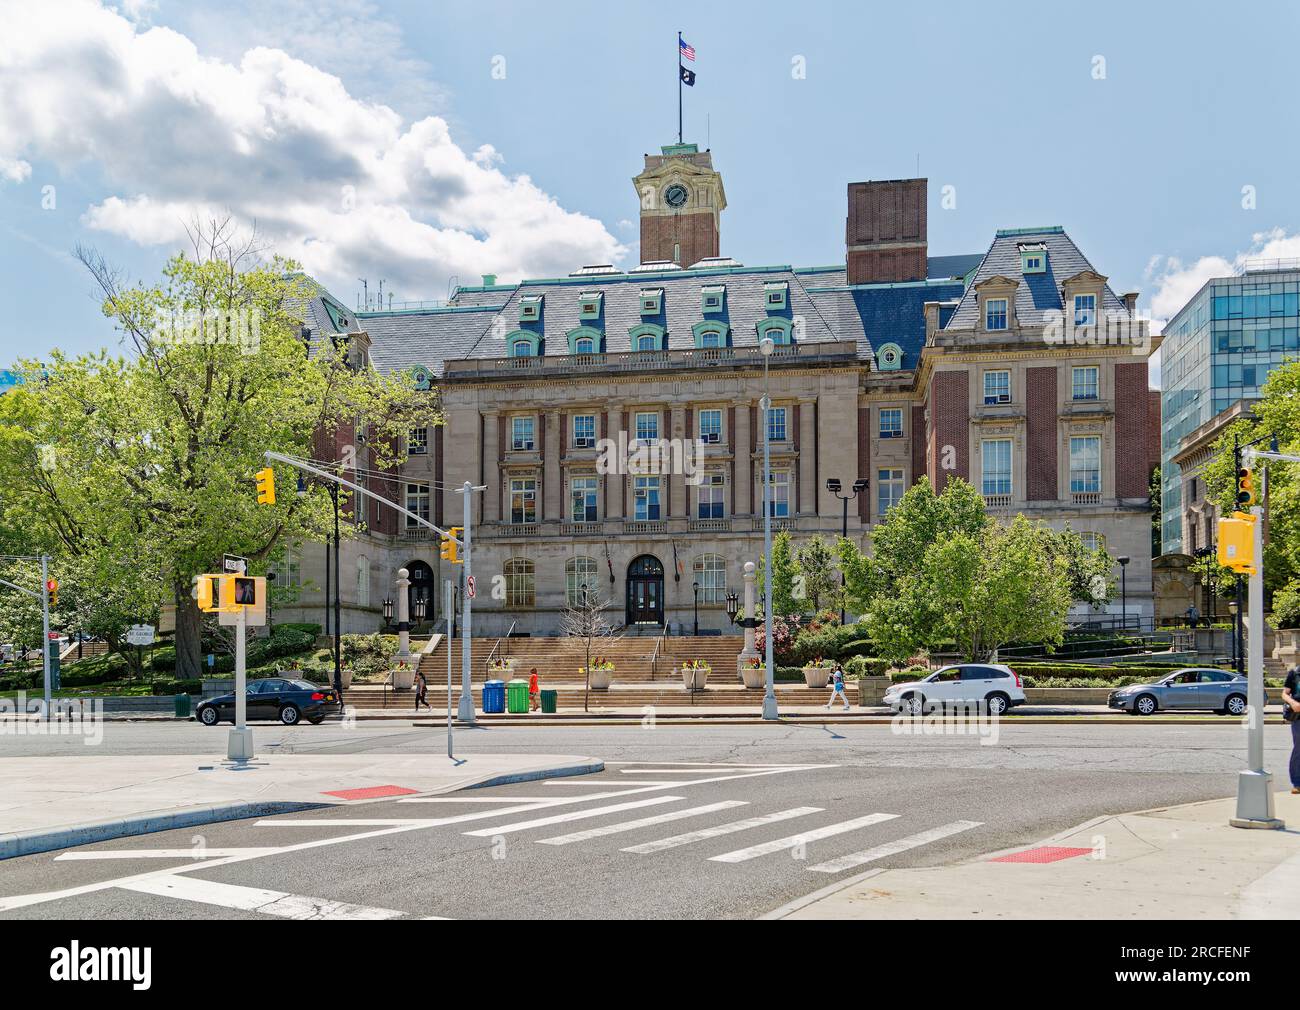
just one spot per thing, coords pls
(290, 701)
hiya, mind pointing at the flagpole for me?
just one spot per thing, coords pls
(679, 88)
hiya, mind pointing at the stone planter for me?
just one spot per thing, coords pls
(871, 690)
(503, 672)
(601, 679)
(403, 679)
(753, 676)
(816, 676)
(345, 678)
(694, 679)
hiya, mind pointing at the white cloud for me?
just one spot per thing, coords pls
(1177, 282)
(346, 186)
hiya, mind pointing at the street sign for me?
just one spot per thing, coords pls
(140, 634)
(469, 587)
(234, 564)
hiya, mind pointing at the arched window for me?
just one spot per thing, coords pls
(521, 583)
(710, 338)
(521, 348)
(584, 345)
(711, 573)
(647, 342)
(579, 574)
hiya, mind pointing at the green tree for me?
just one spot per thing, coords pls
(136, 470)
(788, 594)
(816, 564)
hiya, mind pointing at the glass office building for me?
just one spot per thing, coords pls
(1218, 350)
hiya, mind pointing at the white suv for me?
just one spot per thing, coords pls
(997, 687)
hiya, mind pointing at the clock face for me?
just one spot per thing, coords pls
(675, 195)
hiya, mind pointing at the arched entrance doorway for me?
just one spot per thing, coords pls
(421, 588)
(645, 591)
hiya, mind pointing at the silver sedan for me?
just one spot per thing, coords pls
(1184, 690)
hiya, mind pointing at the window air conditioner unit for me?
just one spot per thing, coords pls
(584, 443)
(713, 437)
(640, 493)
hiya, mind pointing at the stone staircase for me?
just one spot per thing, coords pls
(642, 676)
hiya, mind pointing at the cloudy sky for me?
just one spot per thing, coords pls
(420, 142)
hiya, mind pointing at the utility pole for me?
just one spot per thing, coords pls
(465, 710)
(239, 745)
(45, 633)
(450, 608)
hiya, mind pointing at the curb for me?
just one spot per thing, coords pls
(26, 843)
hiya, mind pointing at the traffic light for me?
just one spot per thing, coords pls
(1237, 543)
(266, 486)
(1245, 488)
(52, 588)
(450, 547)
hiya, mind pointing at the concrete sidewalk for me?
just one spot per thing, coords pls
(1182, 862)
(52, 802)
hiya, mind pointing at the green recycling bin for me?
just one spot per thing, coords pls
(548, 701)
(517, 697)
(182, 703)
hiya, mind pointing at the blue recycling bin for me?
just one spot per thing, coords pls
(494, 696)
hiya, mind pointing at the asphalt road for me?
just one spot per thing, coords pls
(789, 809)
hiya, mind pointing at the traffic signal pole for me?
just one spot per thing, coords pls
(45, 629)
(239, 745)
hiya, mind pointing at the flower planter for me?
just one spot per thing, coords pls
(403, 679)
(694, 678)
(502, 669)
(345, 678)
(600, 679)
(816, 676)
(753, 676)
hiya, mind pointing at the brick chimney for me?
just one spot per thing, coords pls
(885, 233)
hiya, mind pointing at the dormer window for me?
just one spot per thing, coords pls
(652, 301)
(776, 296)
(584, 345)
(713, 298)
(521, 348)
(1033, 258)
(995, 314)
(710, 338)
(589, 305)
(530, 308)
(1085, 310)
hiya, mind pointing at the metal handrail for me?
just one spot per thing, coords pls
(654, 656)
(488, 662)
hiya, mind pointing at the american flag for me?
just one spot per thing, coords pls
(688, 51)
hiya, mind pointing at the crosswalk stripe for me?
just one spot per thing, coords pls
(893, 848)
(499, 800)
(782, 844)
(196, 853)
(721, 829)
(664, 771)
(573, 815)
(255, 899)
(644, 822)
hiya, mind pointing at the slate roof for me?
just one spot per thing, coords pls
(429, 337)
(1036, 293)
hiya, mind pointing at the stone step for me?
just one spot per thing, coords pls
(571, 696)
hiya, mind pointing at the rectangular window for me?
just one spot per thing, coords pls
(995, 314)
(521, 434)
(417, 441)
(710, 496)
(995, 456)
(363, 581)
(1085, 310)
(417, 501)
(776, 424)
(779, 494)
(711, 425)
(645, 496)
(582, 497)
(1085, 464)
(889, 490)
(584, 431)
(997, 387)
(891, 422)
(1083, 382)
(647, 426)
(523, 500)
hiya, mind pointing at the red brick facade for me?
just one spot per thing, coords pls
(694, 231)
(918, 444)
(950, 420)
(1132, 430)
(1040, 431)
(886, 231)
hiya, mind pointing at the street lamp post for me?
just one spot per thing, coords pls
(388, 611)
(766, 346)
(1123, 590)
(833, 486)
(695, 586)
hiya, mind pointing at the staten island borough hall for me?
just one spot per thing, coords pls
(998, 367)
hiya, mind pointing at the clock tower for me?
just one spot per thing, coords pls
(681, 197)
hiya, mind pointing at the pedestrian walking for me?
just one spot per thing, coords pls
(534, 691)
(837, 687)
(1193, 616)
(421, 692)
(1291, 713)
